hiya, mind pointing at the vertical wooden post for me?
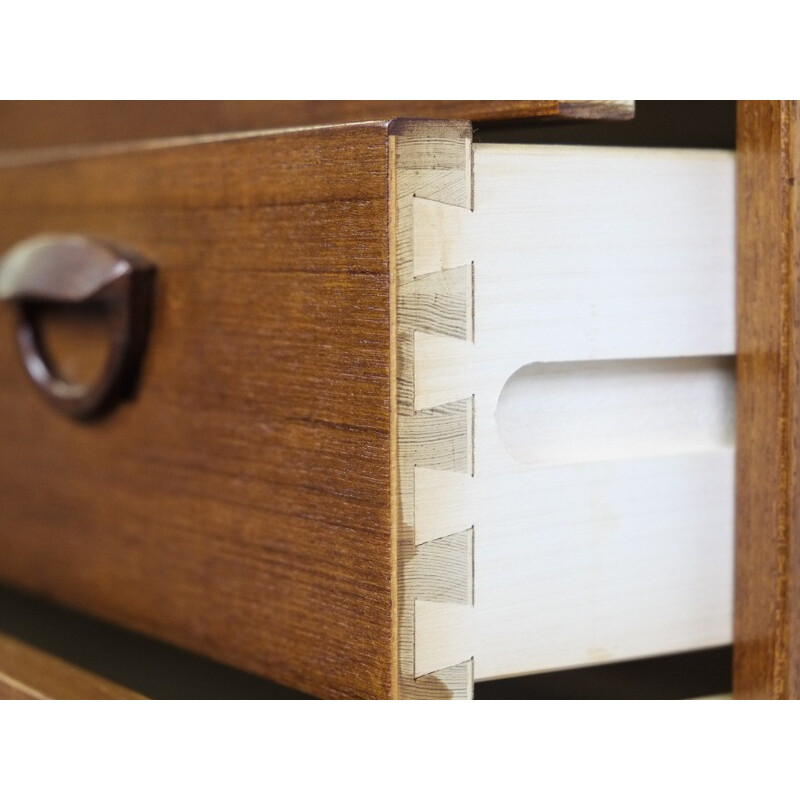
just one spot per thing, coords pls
(767, 616)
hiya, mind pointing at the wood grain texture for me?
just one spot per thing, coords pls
(580, 554)
(240, 507)
(430, 161)
(30, 674)
(767, 624)
(47, 123)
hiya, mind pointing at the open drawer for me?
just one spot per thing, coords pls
(412, 412)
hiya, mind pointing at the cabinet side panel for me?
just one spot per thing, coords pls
(767, 625)
(240, 506)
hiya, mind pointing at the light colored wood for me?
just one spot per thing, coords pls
(432, 162)
(613, 263)
(581, 411)
(27, 673)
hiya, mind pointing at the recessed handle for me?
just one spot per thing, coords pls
(78, 270)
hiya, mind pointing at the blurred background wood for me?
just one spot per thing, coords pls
(767, 616)
(30, 674)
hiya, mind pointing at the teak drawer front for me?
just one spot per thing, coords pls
(241, 505)
(312, 481)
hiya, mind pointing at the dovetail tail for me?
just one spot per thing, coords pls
(433, 194)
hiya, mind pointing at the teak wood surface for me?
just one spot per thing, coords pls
(27, 673)
(767, 624)
(45, 123)
(241, 506)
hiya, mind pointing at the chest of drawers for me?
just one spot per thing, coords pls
(296, 487)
